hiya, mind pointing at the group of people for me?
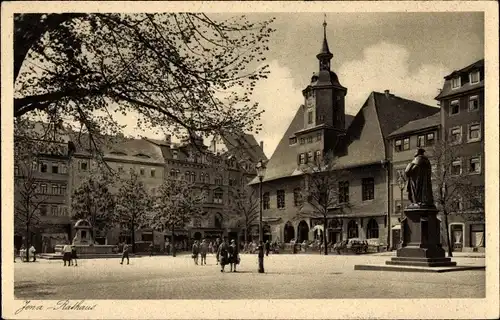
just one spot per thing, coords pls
(226, 254)
(69, 255)
(22, 253)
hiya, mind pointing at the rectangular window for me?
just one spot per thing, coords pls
(368, 189)
(55, 189)
(53, 210)
(153, 173)
(455, 83)
(309, 139)
(55, 168)
(266, 203)
(141, 171)
(474, 77)
(474, 132)
(456, 135)
(43, 209)
(477, 235)
(174, 154)
(456, 167)
(475, 165)
(63, 190)
(473, 103)
(421, 141)
(430, 139)
(398, 145)
(454, 107)
(318, 137)
(120, 168)
(343, 191)
(302, 141)
(64, 169)
(293, 140)
(297, 197)
(310, 157)
(43, 188)
(280, 198)
(321, 118)
(43, 167)
(406, 144)
(317, 155)
(309, 117)
(83, 166)
(302, 158)
(16, 171)
(218, 196)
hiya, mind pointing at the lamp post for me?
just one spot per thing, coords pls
(401, 183)
(261, 170)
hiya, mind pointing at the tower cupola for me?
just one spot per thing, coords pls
(324, 56)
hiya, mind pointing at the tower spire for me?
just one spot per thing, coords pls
(324, 56)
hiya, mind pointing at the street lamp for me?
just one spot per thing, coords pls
(261, 170)
(402, 184)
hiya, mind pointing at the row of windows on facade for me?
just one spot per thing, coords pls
(474, 77)
(83, 166)
(455, 134)
(190, 176)
(45, 167)
(310, 118)
(293, 140)
(202, 159)
(473, 105)
(55, 210)
(367, 193)
(42, 188)
(309, 157)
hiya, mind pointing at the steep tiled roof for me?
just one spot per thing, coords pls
(244, 146)
(473, 66)
(363, 143)
(424, 123)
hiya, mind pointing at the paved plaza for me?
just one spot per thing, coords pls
(286, 277)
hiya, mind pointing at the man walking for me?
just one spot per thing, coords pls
(268, 248)
(196, 251)
(125, 253)
(203, 252)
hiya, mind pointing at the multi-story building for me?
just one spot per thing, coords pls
(361, 148)
(462, 122)
(48, 175)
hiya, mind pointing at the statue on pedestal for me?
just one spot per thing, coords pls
(419, 185)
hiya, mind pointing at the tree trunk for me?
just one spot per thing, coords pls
(173, 240)
(27, 242)
(132, 227)
(448, 235)
(325, 242)
(246, 234)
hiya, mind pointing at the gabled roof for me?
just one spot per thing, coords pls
(364, 142)
(471, 67)
(419, 124)
(466, 85)
(244, 146)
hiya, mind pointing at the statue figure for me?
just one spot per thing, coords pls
(419, 185)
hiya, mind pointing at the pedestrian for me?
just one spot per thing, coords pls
(151, 248)
(33, 252)
(167, 247)
(217, 247)
(196, 251)
(125, 253)
(74, 256)
(233, 256)
(67, 255)
(203, 252)
(223, 254)
(211, 247)
(268, 248)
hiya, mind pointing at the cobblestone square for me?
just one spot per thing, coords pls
(286, 277)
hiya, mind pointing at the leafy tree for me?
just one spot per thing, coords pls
(322, 192)
(93, 200)
(133, 204)
(453, 187)
(185, 71)
(175, 205)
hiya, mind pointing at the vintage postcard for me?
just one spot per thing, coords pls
(250, 160)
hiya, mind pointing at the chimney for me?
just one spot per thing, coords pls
(387, 92)
(262, 145)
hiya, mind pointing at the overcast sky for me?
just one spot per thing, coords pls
(407, 53)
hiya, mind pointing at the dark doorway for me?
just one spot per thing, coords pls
(197, 236)
(303, 231)
(352, 230)
(289, 232)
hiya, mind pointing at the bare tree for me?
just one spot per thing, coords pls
(187, 72)
(323, 192)
(454, 193)
(243, 206)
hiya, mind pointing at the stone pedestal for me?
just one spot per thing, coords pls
(421, 240)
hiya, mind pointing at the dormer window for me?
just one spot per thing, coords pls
(455, 83)
(293, 140)
(175, 154)
(474, 77)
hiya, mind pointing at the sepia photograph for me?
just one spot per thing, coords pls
(211, 154)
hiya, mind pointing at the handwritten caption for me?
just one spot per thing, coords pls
(80, 305)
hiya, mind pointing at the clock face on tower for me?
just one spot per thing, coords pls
(310, 102)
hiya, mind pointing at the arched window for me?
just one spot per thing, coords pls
(218, 221)
(187, 175)
(352, 229)
(372, 229)
(289, 232)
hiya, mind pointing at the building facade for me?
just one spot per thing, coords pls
(462, 122)
(361, 146)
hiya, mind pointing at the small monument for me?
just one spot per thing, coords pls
(83, 234)
(420, 228)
